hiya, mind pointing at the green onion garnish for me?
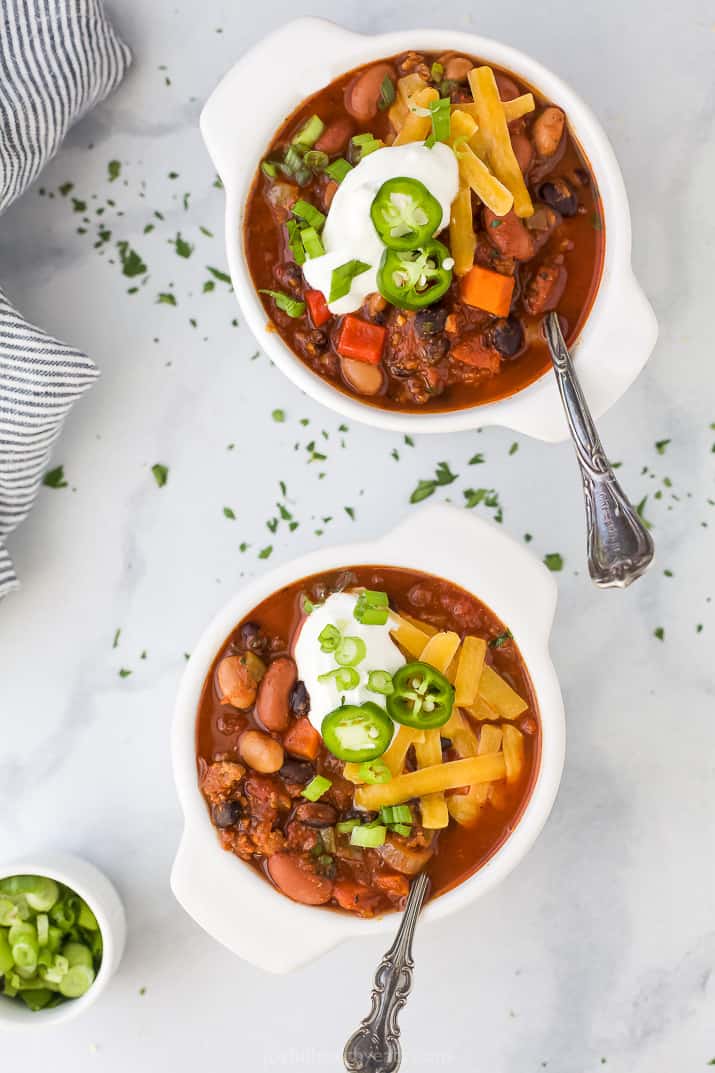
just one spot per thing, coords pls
(441, 121)
(350, 651)
(365, 144)
(338, 169)
(374, 771)
(308, 135)
(285, 303)
(345, 678)
(295, 242)
(372, 608)
(311, 242)
(396, 814)
(402, 829)
(316, 159)
(309, 214)
(269, 169)
(369, 837)
(316, 788)
(329, 638)
(380, 682)
(387, 94)
(342, 278)
(436, 72)
(346, 826)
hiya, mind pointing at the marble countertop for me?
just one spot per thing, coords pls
(598, 951)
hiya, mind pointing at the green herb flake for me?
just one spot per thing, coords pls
(161, 473)
(477, 459)
(124, 672)
(182, 247)
(408, 440)
(114, 168)
(208, 286)
(55, 478)
(387, 94)
(659, 632)
(132, 264)
(501, 639)
(228, 513)
(350, 511)
(279, 416)
(443, 476)
(514, 448)
(285, 303)
(78, 205)
(660, 446)
(166, 298)
(117, 635)
(65, 188)
(265, 553)
(554, 561)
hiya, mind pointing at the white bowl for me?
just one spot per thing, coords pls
(238, 123)
(226, 896)
(101, 897)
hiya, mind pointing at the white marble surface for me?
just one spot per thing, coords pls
(599, 949)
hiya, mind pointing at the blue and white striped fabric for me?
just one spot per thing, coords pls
(58, 58)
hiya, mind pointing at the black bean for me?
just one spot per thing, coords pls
(558, 194)
(249, 635)
(507, 336)
(430, 321)
(227, 814)
(299, 699)
(289, 275)
(297, 771)
(316, 814)
(445, 743)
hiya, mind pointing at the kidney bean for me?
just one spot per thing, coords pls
(546, 286)
(272, 702)
(509, 235)
(507, 87)
(335, 136)
(363, 93)
(523, 151)
(316, 814)
(294, 879)
(547, 130)
(261, 752)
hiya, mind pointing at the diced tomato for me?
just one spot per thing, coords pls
(471, 350)
(355, 897)
(393, 885)
(361, 340)
(302, 739)
(318, 308)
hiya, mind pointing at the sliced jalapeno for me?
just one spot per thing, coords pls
(413, 279)
(405, 214)
(357, 732)
(422, 697)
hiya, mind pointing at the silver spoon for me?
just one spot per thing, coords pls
(620, 548)
(375, 1046)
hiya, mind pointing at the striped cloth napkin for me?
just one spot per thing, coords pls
(58, 58)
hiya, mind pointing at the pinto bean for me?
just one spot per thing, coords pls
(523, 151)
(548, 130)
(237, 679)
(456, 68)
(261, 752)
(335, 136)
(509, 235)
(363, 93)
(293, 877)
(272, 702)
(362, 377)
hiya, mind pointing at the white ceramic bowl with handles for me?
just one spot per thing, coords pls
(225, 895)
(101, 897)
(302, 57)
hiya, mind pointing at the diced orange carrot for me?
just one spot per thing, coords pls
(318, 308)
(488, 290)
(361, 340)
(302, 739)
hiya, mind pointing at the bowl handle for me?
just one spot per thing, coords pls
(222, 118)
(243, 912)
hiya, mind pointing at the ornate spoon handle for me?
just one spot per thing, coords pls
(620, 548)
(375, 1046)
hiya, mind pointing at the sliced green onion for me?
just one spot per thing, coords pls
(342, 277)
(396, 814)
(77, 981)
(368, 837)
(366, 144)
(308, 135)
(441, 121)
(350, 651)
(380, 682)
(316, 159)
(293, 160)
(86, 918)
(307, 212)
(316, 788)
(338, 169)
(77, 954)
(372, 608)
(295, 242)
(346, 678)
(329, 638)
(288, 305)
(346, 826)
(43, 928)
(311, 242)
(374, 772)
(387, 94)
(402, 829)
(436, 72)
(269, 169)
(40, 892)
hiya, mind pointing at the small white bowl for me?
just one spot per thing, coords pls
(101, 897)
(225, 895)
(238, 124)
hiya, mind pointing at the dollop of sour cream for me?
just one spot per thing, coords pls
(349, 233)
(382, 654)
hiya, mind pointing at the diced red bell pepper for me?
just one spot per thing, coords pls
(318, 308)
(361, 340)
(302, 739)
